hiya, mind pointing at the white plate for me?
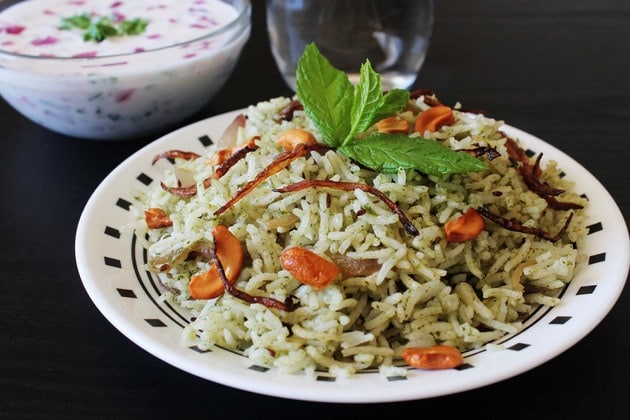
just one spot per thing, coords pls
(110, 263)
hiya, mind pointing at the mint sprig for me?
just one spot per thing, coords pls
(341, 111)
(104, 27)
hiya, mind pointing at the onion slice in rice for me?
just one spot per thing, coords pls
(515, 226)
(479, 151)
(184, 192)
(222, 168)
(517, 275)
(531, 177)
(239, 154)
(229, 137)
(287, 112)
(175, 154)
(351, 186)
(355, 267)
(279, 163)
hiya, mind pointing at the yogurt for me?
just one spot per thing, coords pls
(125, 85)
(32, 27)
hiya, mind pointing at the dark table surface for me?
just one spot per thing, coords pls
(559, 69)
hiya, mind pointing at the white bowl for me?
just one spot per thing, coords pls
(121, 96)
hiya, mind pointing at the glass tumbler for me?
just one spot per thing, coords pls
(393, 34)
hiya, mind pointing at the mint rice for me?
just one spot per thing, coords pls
(423, 291)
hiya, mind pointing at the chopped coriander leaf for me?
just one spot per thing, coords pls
(104, 27)
(133, 27)
(77, 21)
(100, 30)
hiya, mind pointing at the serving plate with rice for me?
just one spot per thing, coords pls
(386, 247)
(259, 349)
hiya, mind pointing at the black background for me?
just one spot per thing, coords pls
(559, 69)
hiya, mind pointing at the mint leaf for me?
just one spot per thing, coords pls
(368, 96)
(394, 101)
(369, 104)
(326, 94)
(388, 152)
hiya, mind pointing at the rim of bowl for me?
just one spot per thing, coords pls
(243, 17)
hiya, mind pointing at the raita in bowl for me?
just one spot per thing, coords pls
(117, 69)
